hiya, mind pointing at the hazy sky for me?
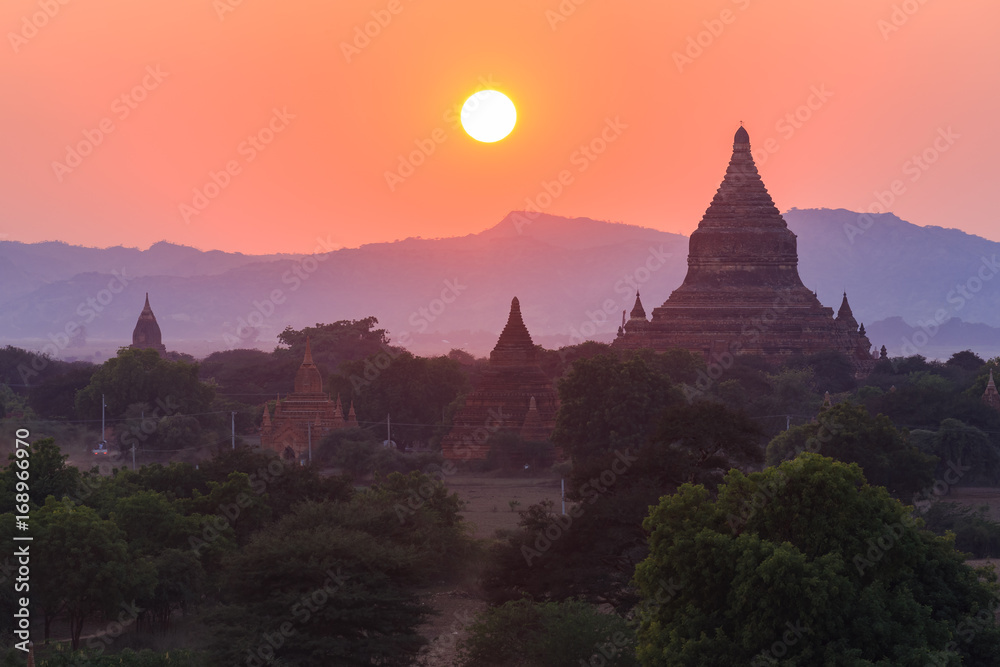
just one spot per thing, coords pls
(309, 114)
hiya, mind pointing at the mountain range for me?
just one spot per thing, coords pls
(573, 278)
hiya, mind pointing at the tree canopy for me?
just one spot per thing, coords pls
(807, 564)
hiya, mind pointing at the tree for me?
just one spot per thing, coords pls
(333, 344)
(591, 552)
(50, 476)
(965, 451)
(55, 397)
(326, 586)
(700, 442)
(82, 566)
(250, 375)
(849, 433)
(808, 564)
(414, 390)
(966, 360)
(547, 634)
(141, 376)
(607, 404)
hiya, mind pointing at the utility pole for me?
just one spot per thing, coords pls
(310, 432)
(388, 431)
(562, 486)
(788, 422)
(103, 405)
(233, 416)
(133, 456)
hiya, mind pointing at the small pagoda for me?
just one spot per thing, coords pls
(146, 335)
(303, 417)
(514, 395)
(991, 397)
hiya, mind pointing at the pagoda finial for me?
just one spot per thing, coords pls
(742, 136)
(308, 359)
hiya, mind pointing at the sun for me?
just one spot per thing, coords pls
(488, 116)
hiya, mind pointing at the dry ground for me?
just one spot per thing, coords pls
(487, 509)
(488, 499)
(977, 497)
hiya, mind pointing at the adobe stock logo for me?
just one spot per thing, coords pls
(38, 20)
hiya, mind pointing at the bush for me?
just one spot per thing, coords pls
(550, 634)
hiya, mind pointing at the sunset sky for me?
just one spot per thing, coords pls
(183, 86)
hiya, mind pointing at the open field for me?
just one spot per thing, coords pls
(488, 499)
(977, 497)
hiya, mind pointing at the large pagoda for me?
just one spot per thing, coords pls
(742, 293)
(513, 395)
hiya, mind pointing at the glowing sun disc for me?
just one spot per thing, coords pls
(488, 116)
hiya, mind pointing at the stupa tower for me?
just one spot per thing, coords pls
(742, 292)
(146, 335)
(514, 395)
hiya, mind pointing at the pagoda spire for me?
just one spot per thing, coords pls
(845, 317)
(638, 312)
(991, 397)
(514, 345)
(308, 379)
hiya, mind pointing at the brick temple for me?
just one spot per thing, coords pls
(307, 414)
(146, 335)
(514, 395)
(742, 293)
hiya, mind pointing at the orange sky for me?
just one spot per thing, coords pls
(201, 76)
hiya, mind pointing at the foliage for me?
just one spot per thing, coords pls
(965, 453)
(607, 404)
(327, 575)
(55, 397)
(102, 576)
(141, 376)
(589, 553)
(699, 442)
(49, 475)
(849, 433)
(335, 343)
(359, 455)
(592, 551)
(808, 563)
(522, 633)
(126, 658)
(414, 391)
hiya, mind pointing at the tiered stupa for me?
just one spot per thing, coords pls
(742, 293)
(514, 394)
(146, 335)
(307, 414)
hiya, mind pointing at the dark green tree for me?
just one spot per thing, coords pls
(807, 564)
(141, 376)
(550, 634)
(82, 567)
(850, 433)
(607, 404)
